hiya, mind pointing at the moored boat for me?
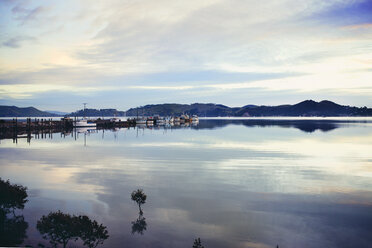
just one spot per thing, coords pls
(141, 121)
(184, 118)
(84, 123)
(150, 121)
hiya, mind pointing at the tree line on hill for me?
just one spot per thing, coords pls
(305, 108)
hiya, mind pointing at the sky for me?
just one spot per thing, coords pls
(55, 55)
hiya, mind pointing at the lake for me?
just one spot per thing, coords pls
(233, 183)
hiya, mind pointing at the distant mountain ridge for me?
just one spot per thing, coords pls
(13, 111)
(305, 108)
(98, 112)
(57, 112)
(168, 109)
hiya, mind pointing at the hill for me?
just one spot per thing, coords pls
(97, 112)
(305, 108)
(13, 111)
(168, 109)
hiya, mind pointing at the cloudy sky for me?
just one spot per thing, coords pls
(55, 55)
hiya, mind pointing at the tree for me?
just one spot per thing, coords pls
(12, 227)
(139, 197)
(12, 196)
(197, 243)
(91, 233)
(59, 228)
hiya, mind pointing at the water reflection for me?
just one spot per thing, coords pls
(139, 225)
(12, 225)
(308, 126)
(233, 186)
(57, 227)
(197, 243)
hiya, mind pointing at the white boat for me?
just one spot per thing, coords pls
(169, 120)
(84, 123)
(194, 118)
(115, 119)
(159, 120)
(184, 118)
(150, 121)
(141, 121)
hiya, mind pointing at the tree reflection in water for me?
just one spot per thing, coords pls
(139, 225)
(12, 226)
(60, 228)
(91, 233)
(197, 243)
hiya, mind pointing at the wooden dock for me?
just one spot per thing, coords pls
(12, 129)
(41, 127)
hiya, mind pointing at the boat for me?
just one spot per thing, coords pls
(194, 118)
(184, 118)
(115, 119)
(177, 119)
(159, 120)
(169, 120)
(141, 121)
(84, 123)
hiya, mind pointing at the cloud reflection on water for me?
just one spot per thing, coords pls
(233, 186)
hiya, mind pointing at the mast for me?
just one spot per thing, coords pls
(85, 104)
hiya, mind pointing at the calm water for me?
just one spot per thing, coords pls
(233, 183)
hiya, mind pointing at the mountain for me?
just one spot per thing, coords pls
(168, 109)
(57, 112)
(13, 111)
(305, 108)
(98, 112)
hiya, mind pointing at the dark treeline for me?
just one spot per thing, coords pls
(305, 108)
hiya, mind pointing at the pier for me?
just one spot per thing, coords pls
(39, 127)
(23, 128)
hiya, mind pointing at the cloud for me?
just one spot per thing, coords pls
(17, 41)
(195, 48)
(25, 15)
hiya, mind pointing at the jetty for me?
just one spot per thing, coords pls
(23, 127)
